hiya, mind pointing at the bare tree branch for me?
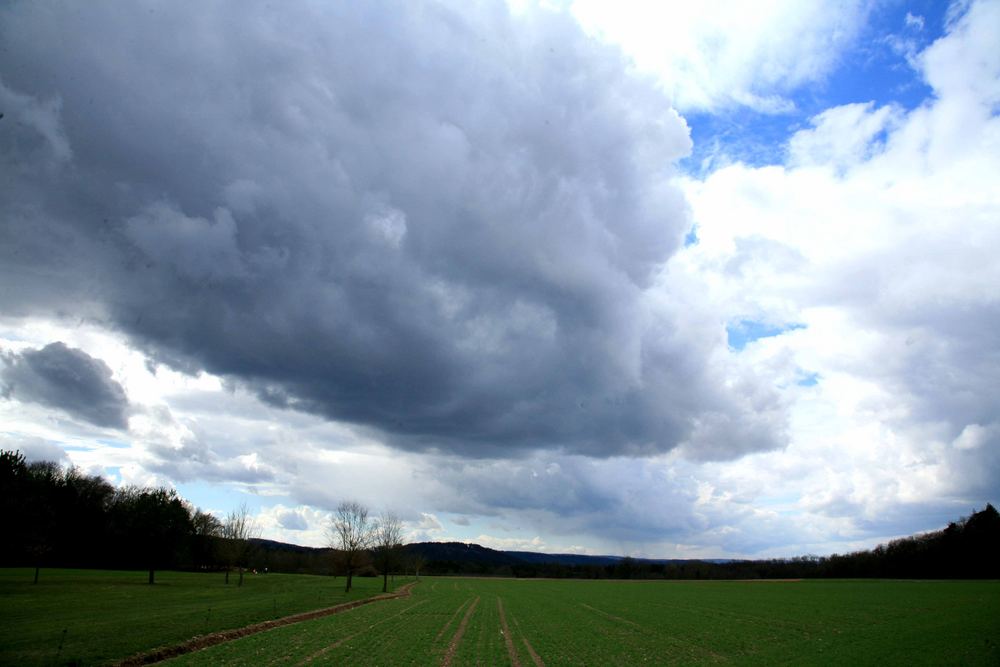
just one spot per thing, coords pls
(238, 529)
(351, 531)
(388, 539)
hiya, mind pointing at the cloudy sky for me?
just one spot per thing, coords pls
(694, 280)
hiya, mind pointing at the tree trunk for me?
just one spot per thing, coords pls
(348, 588)
(151, 576)
(385, 580)
(227, 576)
(36, 575)
(241, 578)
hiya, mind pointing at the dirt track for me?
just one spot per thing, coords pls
(204, 641)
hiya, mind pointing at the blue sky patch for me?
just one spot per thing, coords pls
(220, 498)
(114, 444)
(807, 378)
(875, 69)
(692, 237)
(747, 331)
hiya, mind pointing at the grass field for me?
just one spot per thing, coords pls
(94, 617)
(98, 616)
(496, 622)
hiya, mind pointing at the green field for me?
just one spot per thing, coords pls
(632, 623)
(109, 615)
(97, 616)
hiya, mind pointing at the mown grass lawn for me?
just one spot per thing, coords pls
(463, 621)
(100, 616)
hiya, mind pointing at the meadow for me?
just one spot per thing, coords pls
(98, 616)
(107, 616)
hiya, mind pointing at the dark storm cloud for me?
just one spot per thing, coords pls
(627, 500)
(68, 379)
(436, 222)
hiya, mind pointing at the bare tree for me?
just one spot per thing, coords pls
(388, 538)
(237, 531)
(417, 562)
(351, 532)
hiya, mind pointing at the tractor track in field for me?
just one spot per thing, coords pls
(341, 642)
(457, 637)
(505, 630)
(212, 639)
(537, 659)
(614, 618)
(453, 616)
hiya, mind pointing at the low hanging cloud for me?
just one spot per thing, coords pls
(67, 379)
(437, 222)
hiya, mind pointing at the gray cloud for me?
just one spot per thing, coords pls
(621, 500)
(292, 521)
(68, 379)
(438, 223)
(34, 448)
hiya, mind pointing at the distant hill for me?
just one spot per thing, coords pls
(967, 548)
(274, 545)
(462, 558)
(461, 553)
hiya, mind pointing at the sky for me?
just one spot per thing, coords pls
(669, 280)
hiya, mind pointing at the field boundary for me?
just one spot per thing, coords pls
(204, 641)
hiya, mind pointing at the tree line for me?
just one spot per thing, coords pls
(60, 517)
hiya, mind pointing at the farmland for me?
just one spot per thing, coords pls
(110, 615)
(96, 616)
(526, 622)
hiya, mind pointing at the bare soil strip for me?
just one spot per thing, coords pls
(506, 636)
(448, 624)
(537, 659)
(204, 641)
(453, 646)
(340, 642)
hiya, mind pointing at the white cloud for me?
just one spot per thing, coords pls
(511, 543)
(914, 21)
(842, 136)
(719, 54)
(878, 235)
(301, 525)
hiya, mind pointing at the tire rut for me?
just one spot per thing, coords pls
(537, 659)
(337, 644)
(457, 637)
(505, 631)
(204, 641)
